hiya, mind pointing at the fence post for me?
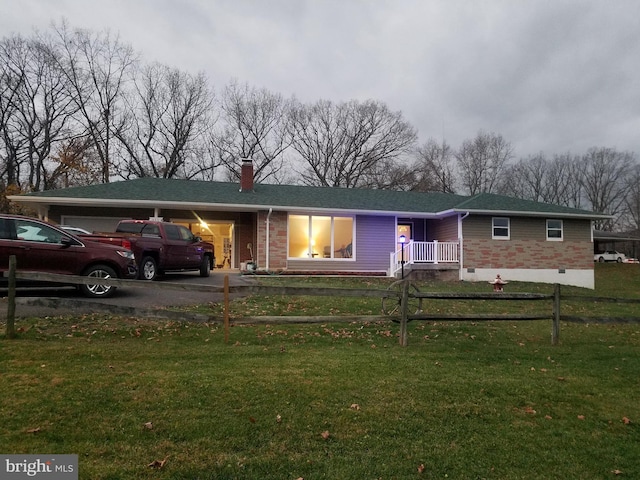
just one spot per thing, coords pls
(404, 312)
(226, 309)
(555, 326)
(11, 299)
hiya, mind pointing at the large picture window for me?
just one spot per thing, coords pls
(320, 237)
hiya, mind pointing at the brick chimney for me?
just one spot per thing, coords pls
(246, 175)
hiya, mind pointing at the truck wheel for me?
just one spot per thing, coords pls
(99, 291)
(148, 269)
(205, 267)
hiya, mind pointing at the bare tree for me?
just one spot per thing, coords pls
(392, 174)
(39, 109)
(167, 121)
(253, 124)
(97, 67)
(344, 145)
(632, 200)
(526, 179)
(538, 178)
(481, 162)
(605, 182)
(564, 181)
(13, 76)
(435, 170)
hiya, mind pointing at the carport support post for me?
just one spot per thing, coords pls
(555, 327)
(404, 312)
(226, 309)
(11, 299)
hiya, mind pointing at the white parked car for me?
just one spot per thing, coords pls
(75, 230)
(609, 256)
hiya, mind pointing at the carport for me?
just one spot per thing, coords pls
(625, 242)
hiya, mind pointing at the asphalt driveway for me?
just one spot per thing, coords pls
(126, 301)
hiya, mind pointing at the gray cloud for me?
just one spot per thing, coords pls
(551, 76)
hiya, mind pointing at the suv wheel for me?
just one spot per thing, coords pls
(95, 290)
(148, 269)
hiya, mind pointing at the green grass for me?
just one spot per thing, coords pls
(465, 400)
(612, 280)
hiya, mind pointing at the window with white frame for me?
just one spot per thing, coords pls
(500, 228)
(554, 230)
(321, 237)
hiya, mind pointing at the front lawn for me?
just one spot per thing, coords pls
(327, 401)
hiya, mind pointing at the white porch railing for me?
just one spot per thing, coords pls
(423, 252)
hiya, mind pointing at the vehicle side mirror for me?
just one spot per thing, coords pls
(197, 239)
(68, 241)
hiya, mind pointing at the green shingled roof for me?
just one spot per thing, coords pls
(487, 202)
(293, 197)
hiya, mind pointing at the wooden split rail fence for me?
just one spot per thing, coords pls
(402, 302)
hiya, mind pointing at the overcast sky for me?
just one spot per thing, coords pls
(551, 76)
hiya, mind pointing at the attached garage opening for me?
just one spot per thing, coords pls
(220, 233)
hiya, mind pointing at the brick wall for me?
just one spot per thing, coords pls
(277, 240)
(480, 253)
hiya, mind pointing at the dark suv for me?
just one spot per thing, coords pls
(42, 247)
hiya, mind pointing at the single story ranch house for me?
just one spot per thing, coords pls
(311, 230)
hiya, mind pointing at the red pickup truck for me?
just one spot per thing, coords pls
(160, 247)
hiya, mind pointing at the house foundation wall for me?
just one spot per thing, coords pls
(574, 277)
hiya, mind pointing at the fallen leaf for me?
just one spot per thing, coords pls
(33, 430)
(580, 417)
(626, 420)
(421, 468)
(252, 420)
(278, 418)
(548, 417)
(149, 425)
(325, 434)
(616, 472)
(355, 406)
(158, 463)
(530, 410)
